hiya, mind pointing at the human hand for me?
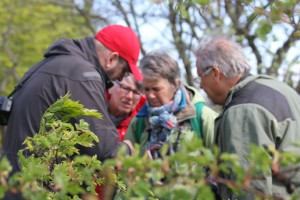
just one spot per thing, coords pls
(130, 146)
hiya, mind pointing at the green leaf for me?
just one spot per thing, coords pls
(3, 189)
(203, 2)
(5, 166)
(263, 29)
(143, 189)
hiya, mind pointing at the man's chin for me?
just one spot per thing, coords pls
(113, 77)
(126, 109)
(214, 105)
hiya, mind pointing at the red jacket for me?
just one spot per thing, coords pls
(122, 127)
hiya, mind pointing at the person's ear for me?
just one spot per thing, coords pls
(113, 89)
(110, 91)
(177, 85)
(112, 59)
(217, 74)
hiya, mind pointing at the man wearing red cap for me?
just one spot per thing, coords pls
(84, 68)
(124, 43)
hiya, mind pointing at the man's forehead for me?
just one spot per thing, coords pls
(128, 81)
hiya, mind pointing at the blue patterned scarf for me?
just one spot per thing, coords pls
(162, 121)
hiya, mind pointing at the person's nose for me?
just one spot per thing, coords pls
(149, 95)
(129, 94)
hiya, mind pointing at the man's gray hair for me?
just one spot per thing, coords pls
(228, 56)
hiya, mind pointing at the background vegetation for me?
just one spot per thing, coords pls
(56, 170)
(269, 30)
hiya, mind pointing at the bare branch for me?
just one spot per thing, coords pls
(280, 53)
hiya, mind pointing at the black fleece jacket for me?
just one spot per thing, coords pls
(69, 66)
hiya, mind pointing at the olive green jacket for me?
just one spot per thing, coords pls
(262, 111)
(183, 117)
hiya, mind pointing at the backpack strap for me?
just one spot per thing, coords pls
(140, 126)
(196, 121)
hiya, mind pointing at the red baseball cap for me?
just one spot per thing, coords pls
(123, 40)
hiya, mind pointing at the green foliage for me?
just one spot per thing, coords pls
(28, 28)
(203, 2)
(187, 173)
(263, 29)
(181, 175)
(55, 169)
(5, 168)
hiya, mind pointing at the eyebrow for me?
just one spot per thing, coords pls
(136, 89)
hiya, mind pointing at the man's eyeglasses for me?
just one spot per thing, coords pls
(126, 90)
(207, 70)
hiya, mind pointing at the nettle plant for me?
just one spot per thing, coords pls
(56, 170)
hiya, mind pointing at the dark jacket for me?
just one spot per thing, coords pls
(69, 66)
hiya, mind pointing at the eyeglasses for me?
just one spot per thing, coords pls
(197, 80)
(126, 90)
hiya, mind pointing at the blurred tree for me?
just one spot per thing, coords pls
(269, 30)
(28, 27)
